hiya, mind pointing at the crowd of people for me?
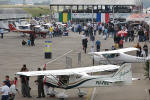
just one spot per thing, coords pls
(119, 33)
(8, 89)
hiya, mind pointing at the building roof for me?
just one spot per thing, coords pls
(95, 2)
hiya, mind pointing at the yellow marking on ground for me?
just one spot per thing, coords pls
(89, 94)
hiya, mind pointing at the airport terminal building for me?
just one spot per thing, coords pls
(85, 10)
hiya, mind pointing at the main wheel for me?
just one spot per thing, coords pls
(61, 98)
(81, 96)
(52, 95)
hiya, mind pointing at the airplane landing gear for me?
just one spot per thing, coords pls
(62, 96)
(81, 93)
(52, 93)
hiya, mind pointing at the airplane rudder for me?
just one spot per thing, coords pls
(124, 71)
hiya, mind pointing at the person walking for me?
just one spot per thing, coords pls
(13, 91)
(121, 43)
(79, 28)
(4, 91)
(25, 89)
(105, 33)
(51, 32)
(145, 48)
(40, 84)
(32, 39)
(2, 33)
(138, 53)
(7, 81)
(98, 45)
(99, 29)
(85, 41)
(92, 40)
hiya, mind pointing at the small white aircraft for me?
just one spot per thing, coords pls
(118, 56)
(77, 78)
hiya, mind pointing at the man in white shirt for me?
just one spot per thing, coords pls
(13, 91)
(5, 91)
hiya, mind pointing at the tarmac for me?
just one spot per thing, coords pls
(13, 55)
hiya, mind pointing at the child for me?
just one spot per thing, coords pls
(29, 42)
(24, 42)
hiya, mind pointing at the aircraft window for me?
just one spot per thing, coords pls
(111, 55)
(117, 55)
(78, 76)
(63, 80)
(75, 76)
(105, 55)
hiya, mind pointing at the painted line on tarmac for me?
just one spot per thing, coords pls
(147, 94)
(59, 57)
(89, 94)
(93, 94)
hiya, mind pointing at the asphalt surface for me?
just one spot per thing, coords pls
(13, 55)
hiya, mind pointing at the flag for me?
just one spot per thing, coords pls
(103, 17)
(60, 17)
(65, 17)
(98, 17)
(107, 18)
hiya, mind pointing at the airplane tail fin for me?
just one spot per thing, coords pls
(11, 27)
(124, 74)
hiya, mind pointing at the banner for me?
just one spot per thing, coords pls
(98, 17)
(48, 46)
(83, 15)
(103, 17)
(65, 17)
(60, 17)
(69, 16)
(107, 18)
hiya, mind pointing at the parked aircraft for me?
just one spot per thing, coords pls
(118, 56)
(77, 78)
(36, 30)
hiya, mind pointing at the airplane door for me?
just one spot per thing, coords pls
(63, 81)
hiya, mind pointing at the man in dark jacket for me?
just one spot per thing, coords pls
(40, 84)
(85, 41)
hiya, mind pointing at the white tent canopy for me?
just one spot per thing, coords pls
(95, 2)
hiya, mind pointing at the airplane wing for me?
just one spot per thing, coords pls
(115, 51)
(71, 71)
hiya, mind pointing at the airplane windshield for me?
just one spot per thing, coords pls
(111, 55)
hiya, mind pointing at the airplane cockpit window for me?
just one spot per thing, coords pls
(111, 55)
(76, 76)
(63, 80)
(117, 54)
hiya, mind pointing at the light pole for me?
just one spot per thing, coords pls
(114, 1)
(93, 16)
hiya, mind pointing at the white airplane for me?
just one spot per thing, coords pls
(117, 56)
(77, 78)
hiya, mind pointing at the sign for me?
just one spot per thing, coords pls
(48, 46)
(83, 15)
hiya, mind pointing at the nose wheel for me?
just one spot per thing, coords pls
(52, 93)
(81, 93)
(62, 96)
